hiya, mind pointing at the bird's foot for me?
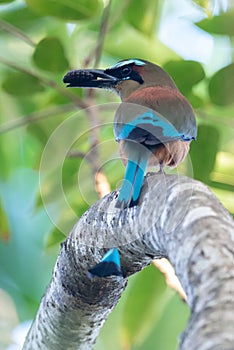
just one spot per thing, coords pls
(161, 169)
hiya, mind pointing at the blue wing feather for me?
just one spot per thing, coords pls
(112, 256)
(151, 123)
(142, 134)
(108, 266)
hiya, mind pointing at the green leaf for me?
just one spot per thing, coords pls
(202, 3)
(144, 15)
(203, 152)
(54, 238)
(5, 1)
(4, 227)
(50, 56)
(25, 269)
(17, 150)
(195, 100)
(20, 84)
(22, 17)
(221, 86)
(165, 333)
(206, 5)
(144, 305)
(126, 41)
(38, 132)
(66, 9)
(222, 24)
(185, 73)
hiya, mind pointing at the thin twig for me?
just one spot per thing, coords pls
(171, 279)
(118, 14)
(209, 117)
(101, 184)
(106, 29)
(34, 117)
(76, 154)
(16, 32)
(102, 33)
(47, 82)
(97, 51)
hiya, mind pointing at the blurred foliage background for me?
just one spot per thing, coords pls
(40, 41)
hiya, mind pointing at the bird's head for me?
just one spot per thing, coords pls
(124, 77)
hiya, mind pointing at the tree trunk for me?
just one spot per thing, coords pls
(178, 218)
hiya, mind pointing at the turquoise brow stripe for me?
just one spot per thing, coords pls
(123, 63)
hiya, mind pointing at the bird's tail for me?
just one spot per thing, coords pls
(132, 183)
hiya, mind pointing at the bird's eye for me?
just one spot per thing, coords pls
(126, 71)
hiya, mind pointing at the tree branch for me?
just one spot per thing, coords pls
(177, 218)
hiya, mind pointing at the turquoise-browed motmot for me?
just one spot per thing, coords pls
(154, 124)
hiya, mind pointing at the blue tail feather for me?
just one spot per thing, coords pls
(127, 185)
(132, 184)
(138, 181)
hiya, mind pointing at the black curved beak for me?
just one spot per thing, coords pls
(90, 78)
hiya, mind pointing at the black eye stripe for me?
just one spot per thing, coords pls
(126, 71)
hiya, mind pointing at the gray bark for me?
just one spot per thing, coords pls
(177, 218)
